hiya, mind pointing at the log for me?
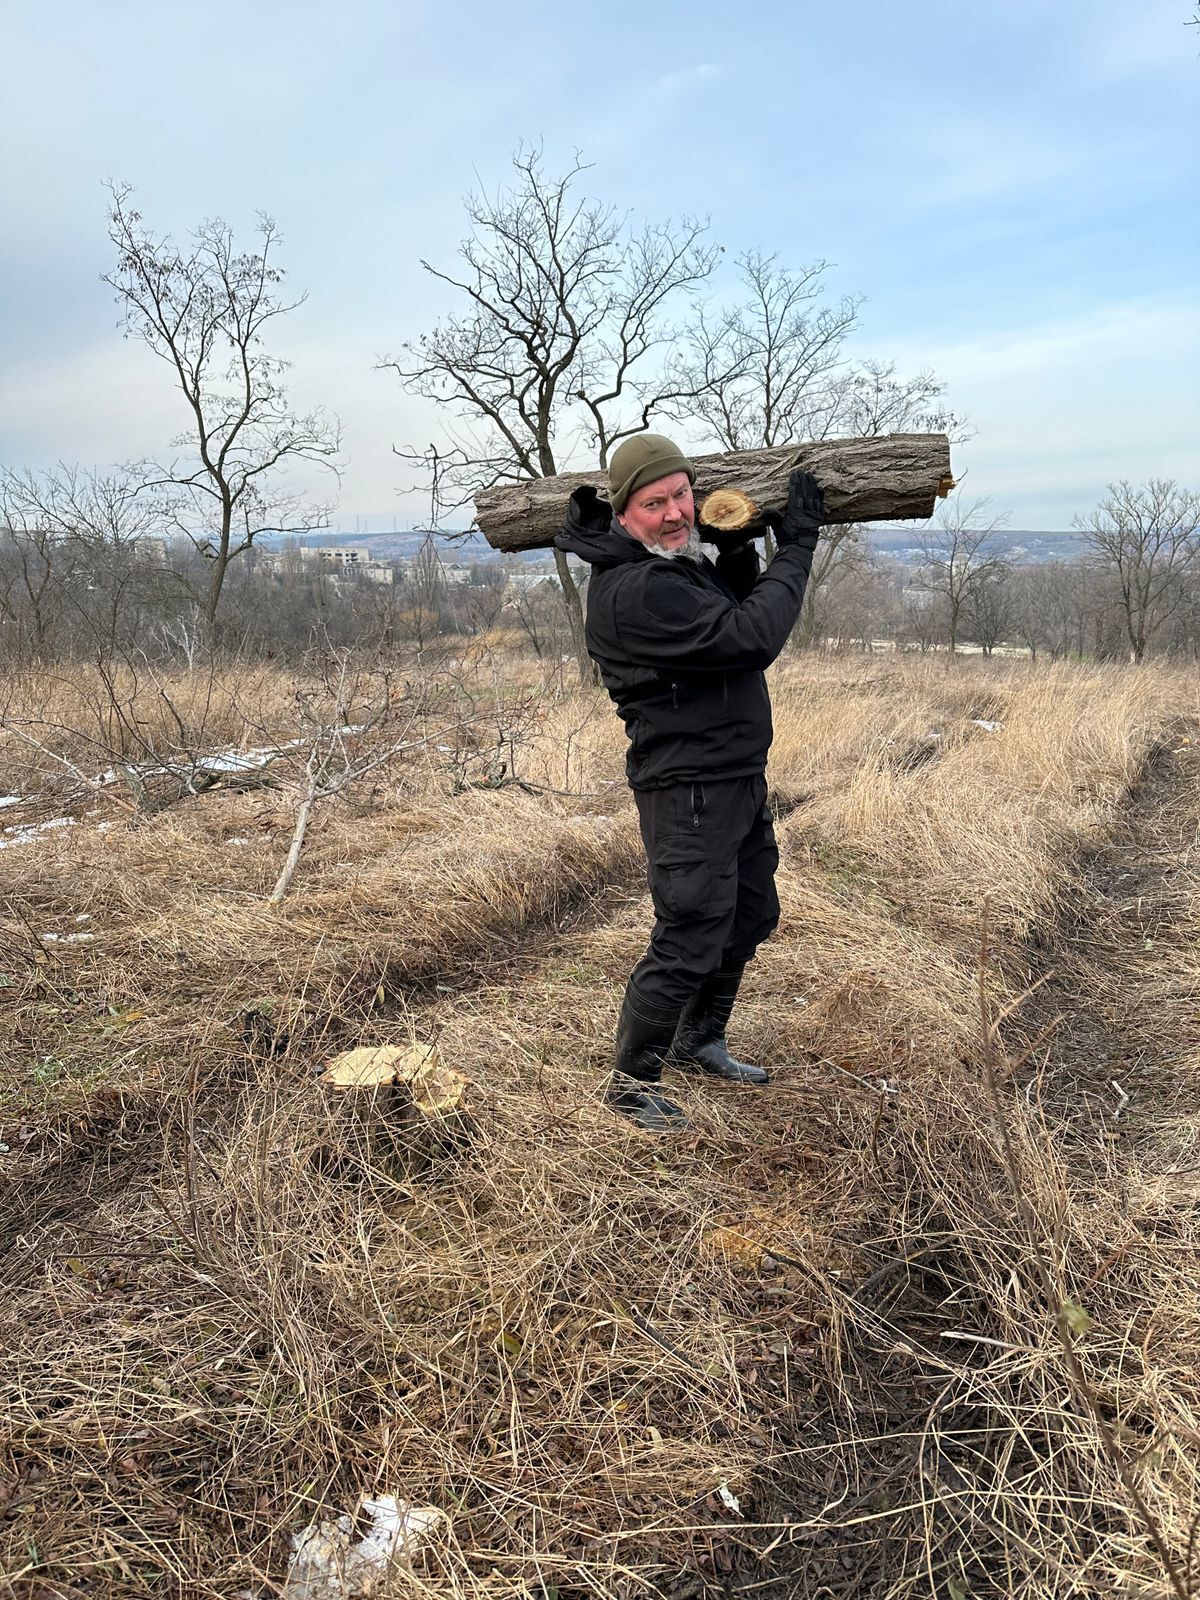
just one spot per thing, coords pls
(891, 477)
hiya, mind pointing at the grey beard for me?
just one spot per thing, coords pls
(694, 548)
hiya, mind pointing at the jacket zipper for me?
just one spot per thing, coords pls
(697, 803)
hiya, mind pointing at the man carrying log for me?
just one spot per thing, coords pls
(682, 644)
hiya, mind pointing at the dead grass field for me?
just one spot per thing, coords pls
(563, 1335)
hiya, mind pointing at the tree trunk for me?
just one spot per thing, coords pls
(212, 598)
(574, 609)
(824, 562)
(896, 475)
(284, 881)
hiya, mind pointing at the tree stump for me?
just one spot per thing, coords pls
(392, 1109)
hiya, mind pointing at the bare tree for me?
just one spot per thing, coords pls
(771, 370)
(1148, 538)
(335, 756)
(539, 619)
(33, 567)
(757, 373)
(424, 598)
(867, 400)
(841, 562)
(87, 549)
(991, 606)
(855, 610)
(205, 310)
(565, 315)
(922, 618)
(1183, 630)
(479, 602)
(1060, 607)
(957, 555)
(1031, 605)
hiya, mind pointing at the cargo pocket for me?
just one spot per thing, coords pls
(682, 880)
(688, 885)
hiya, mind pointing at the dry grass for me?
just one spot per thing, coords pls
(563, 1334)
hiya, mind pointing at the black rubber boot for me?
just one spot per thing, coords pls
(644, 1034)
(699, 1042)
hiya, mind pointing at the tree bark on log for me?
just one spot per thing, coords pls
(889, 477)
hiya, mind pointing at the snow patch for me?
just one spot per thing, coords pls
(329, 1563)
(32, 831)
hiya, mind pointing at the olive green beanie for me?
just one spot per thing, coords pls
(643, 459)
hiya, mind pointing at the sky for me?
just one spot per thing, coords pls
(1011, 186)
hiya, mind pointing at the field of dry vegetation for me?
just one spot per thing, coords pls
(884, 1330)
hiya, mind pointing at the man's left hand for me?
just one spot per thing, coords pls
(735, 539)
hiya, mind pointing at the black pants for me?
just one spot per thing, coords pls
(711, 852)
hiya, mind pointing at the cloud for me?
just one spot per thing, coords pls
(984, 158)
(1118, 330)
(1064, 407)
(687, 79)
(108, 401)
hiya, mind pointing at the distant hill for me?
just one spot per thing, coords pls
(402, 546)
(1020, 544)
(899, 543)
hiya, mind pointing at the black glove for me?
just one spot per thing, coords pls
(728, 540)
(805, 508)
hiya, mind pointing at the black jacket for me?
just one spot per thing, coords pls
(682, 645)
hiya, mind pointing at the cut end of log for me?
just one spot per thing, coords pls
(727, 510)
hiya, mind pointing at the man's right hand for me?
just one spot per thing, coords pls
(805, 508)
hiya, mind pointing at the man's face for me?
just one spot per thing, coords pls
(661, 514)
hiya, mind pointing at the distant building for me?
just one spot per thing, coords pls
(343, 563)
(337, 555)
(529, 580)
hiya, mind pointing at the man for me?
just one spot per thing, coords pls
(682, 645)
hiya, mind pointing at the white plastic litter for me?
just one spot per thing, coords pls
(988, 727)
(329, 1563)
(728, 1499)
